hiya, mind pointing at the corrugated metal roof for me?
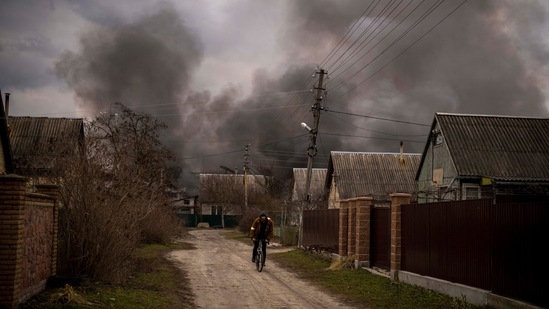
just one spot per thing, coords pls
(34, 140)
(499, 147)
(318, 177)
(378, 174)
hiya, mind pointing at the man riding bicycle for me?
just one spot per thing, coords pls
(262, 229)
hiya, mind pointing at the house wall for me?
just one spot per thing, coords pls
(28, 239)
(206, 209)
(333, 197)
(436, 158)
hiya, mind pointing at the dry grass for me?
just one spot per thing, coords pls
(340, 263)
(67, 295)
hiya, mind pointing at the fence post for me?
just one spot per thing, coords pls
(343, 227)
(397, 200)
(351, 250)
(363, 220)
(12, 201)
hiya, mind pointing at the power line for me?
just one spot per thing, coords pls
(394, 58)
(374, 137)
(381, 40)
(402, 35)
(354, 42)
(380, 118)
(341, 42)
(357, 48)
(370, 130)
(233, 151)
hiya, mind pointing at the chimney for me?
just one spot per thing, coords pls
(7, 107)
(401, 159)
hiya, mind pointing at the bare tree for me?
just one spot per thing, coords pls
(114, 195)
(223, 190)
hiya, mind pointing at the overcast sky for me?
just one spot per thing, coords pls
(223, 74)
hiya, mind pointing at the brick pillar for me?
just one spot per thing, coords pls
(397, 199)
(12, 201)
(343, 227)
(53, 190)
(351, 235)
(363, 207)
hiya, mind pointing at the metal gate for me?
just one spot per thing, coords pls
(380, 250)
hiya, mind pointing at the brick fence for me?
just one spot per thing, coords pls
(355, 234)
(28, 238)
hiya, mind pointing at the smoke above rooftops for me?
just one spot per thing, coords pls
(487, 57)
(148, 62)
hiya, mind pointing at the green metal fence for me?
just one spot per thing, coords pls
(192, 220)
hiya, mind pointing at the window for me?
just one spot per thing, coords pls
(438, 138)
(470, 193)
(216, 210)
(446, 194)
(186, 202)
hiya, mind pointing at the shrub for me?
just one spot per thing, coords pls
(248, 218)
(160, 226)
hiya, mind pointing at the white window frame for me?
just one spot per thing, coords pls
(466, 188)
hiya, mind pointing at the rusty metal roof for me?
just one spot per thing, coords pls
(35, 140)
(371, 173)
(318, 177)
(498, 147)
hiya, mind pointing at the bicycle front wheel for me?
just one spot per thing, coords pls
(259, 261)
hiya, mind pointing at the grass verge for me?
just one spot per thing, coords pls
(361, 288)
(155, 283)
(358, 287)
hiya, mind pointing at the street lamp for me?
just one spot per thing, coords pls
(311, 152)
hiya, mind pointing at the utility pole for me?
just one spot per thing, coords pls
(311, 151)
(246, 154)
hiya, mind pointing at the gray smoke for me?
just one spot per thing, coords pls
(486, 58)
(146, 65)
(149, 62)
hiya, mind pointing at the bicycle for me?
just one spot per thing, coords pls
(260, 257)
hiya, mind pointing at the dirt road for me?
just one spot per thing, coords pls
(223, 276)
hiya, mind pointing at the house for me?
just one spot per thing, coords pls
(38, 143)
(298, 195)
(316, 189)
(229, 194)
(181, 202)
(354, 174)
(6, 164)
(477, 156)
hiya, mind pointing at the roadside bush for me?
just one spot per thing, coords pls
(97, 236)
(113, 196)
(247, 219)
(160, 226)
